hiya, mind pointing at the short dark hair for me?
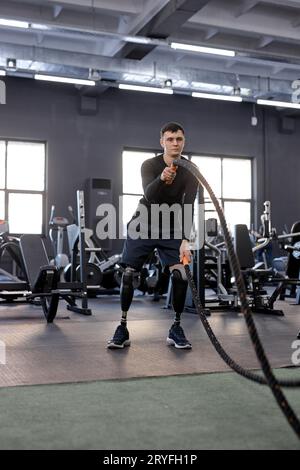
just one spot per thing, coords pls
(171, 127)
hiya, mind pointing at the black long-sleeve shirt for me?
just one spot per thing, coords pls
(182, 192)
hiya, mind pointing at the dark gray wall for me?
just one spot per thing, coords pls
(91, 146)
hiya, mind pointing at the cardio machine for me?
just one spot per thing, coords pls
(57, 228)
(11, 286)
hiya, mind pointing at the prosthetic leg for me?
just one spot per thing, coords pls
(126, 292)
(121, 336)
(176, 335)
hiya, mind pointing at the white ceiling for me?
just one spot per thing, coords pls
(70, 37)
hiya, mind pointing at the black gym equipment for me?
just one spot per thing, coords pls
(179, 288)
(127, 288)
(101, 270)
(44, 282)
(153, 278)
(254, 277)
(11, 286)
(217, 272)
(292, 274)
(42, 279)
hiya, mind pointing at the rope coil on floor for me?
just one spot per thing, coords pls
(270, 379)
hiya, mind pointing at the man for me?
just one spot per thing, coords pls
(164, 186)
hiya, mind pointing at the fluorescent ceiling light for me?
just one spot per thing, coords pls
(133, 77)
(75, 81)
(138, 39)
(217, 97)
(39, 26)
(13, 23)
(204, 50)
(2, 73)
(166, 91)
(280, 104)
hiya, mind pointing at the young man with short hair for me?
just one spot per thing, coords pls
(165, 187)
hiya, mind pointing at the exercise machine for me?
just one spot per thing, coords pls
(43, 279)
(101, 269)
(11, 286)
(57, 228)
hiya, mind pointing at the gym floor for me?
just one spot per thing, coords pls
(149, 395)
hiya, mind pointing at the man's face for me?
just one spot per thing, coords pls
(172, 143)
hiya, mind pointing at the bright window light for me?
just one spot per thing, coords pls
(25, 213)
(204, 50)
(132, 182)
(279, 104)
(2, 164)
(210, 211)
(129, 206)
(233, 187)
(14, 23)
(75, 81)
(26, 166)
(237, 213)
(131, 164)
(210, 167)
(210, 96)
(166, 91)
(2, 73)
(2, 206)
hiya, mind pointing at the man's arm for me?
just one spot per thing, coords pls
(152, 183)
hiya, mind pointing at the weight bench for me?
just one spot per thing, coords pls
(43, 279)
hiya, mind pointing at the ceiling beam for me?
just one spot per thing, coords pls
(245, 6)
(183, 70)
(55, 15)
(57, 9)
(169, 19)
(114, 6)
(284, 3)
(210, 33)
(262, 23)
(264, 41)
(55, 57)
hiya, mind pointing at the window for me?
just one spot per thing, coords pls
(132, 182)
(231, 181)
(229, 177)
(22, 185)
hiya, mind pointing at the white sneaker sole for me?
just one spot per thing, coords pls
(118, 346)
(171, 342)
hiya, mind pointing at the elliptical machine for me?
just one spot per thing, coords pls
(57, 225)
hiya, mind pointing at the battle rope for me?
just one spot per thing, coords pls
(259, 350)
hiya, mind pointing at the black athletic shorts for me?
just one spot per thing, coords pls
(136, 252)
